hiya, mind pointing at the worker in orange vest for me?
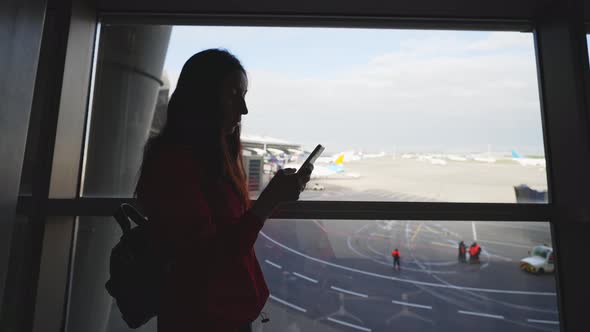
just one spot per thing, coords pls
(396, 256)
(474, 252)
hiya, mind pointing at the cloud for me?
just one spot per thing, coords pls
(434, 91)
(399, 83)
(503, 41)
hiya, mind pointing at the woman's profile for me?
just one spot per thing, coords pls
(192, 186)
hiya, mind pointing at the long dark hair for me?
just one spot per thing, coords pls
(195, 120)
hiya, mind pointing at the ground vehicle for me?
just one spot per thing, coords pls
(541, 260)
(317, 186)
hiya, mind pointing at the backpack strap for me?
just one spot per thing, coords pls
(127, 213)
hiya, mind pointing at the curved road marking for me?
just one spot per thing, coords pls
(349, 292)
(508, 244)
(431, 230)
(422, 270)
(444, 245)
(273, 264)
(380, 254)
(380, 235)
(553, 322)
(349, 325)
(287, 303)
(390, 264)
(416, 233)
(506, 259)
(480, 314)
(412, 305)
(438, 263)
(305, 277)
(485, 290)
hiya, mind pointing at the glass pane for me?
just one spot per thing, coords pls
(405, 115)
(337, 275)
(91, 308)
(334, 275)
(127, 84)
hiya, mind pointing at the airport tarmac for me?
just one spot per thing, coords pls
(415, 180)
(337, 275)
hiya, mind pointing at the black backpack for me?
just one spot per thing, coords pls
(136, 271)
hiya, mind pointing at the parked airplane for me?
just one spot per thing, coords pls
(453, 157)
(528, 161)
(433, 159)
(327, 167)
(373, 155)
(484, 159)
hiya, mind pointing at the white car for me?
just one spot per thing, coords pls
(541, 260)
(317, 186)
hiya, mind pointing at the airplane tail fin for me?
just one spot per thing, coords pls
(515, 154)
(340, 160)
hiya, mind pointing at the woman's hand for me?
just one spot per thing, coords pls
(285, 186)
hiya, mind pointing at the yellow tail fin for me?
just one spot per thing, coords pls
(340, 160)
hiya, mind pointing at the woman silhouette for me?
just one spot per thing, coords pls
(192, 186)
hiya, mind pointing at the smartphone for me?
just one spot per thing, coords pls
(312, 156)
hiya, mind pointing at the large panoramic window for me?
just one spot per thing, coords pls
(330, 275)
(404, 115)
(338, 275)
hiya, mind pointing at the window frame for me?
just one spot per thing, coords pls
(559, 214)
(356, 210)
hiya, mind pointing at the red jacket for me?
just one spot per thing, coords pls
(216, 283)
(395, 253)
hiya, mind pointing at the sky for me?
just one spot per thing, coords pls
(381, 90)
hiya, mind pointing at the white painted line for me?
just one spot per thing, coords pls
(416, 233)
(480, 314)
(412, 305)
(444, 245)
(306, 278)
(349, 325)
(409, 281)
(497, 256)
(508, 244)
(448, 231)
(375, 251)
(273, 264)
(474, 232)
(380, 235)
(553, 322)
(431, 230)
(287, 303)
(349, 292)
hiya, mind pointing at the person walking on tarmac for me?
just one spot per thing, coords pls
(396, 256)
(462, 252)
(474, 252)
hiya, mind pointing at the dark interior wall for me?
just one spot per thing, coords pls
(21, 27)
